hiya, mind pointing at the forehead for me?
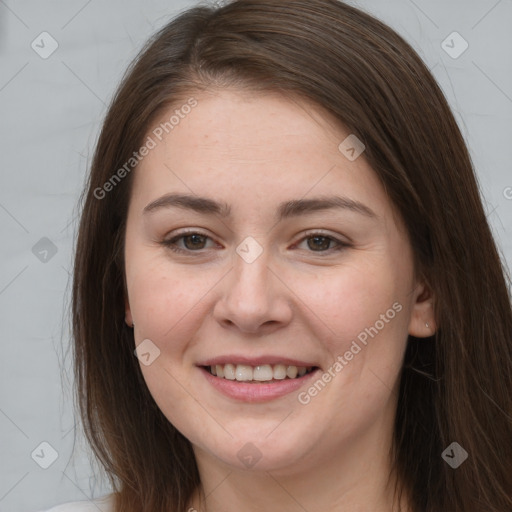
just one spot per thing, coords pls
(252, 148)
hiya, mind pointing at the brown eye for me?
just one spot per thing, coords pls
(195, 242)
(321, 243)
(192, 242)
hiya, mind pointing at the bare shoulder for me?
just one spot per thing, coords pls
(103, 504)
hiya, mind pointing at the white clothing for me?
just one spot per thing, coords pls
(104, 504)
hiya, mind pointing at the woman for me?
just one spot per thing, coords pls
(286, 292)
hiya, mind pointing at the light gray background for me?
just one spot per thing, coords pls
(51, 110)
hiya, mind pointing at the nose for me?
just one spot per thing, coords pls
(253, 298)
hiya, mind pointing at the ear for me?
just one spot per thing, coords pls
(422, 312)
(127, 312)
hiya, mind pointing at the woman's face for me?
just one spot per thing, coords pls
(267, 280)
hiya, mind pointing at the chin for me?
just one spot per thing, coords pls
(258, 451)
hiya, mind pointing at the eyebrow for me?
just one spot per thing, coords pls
(287, 209)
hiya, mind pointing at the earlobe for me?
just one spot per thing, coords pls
(128, 313)
(422, 323)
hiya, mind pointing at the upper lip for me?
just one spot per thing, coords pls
(255, 361)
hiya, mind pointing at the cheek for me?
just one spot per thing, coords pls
(350, 299)
(166, 300)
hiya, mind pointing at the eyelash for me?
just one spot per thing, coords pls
(171, 243)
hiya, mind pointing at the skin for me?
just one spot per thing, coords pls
(297, 299)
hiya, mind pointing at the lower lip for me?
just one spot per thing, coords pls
(257, 392)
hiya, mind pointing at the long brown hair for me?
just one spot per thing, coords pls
(455, 386)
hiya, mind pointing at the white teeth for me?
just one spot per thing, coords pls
(261, 373)
(243, 372)
(229, 371)
(279, 371)
(291, 372)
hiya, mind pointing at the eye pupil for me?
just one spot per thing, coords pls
(325, 239)
(195, 237)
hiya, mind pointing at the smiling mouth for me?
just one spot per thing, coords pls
(261, 374)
